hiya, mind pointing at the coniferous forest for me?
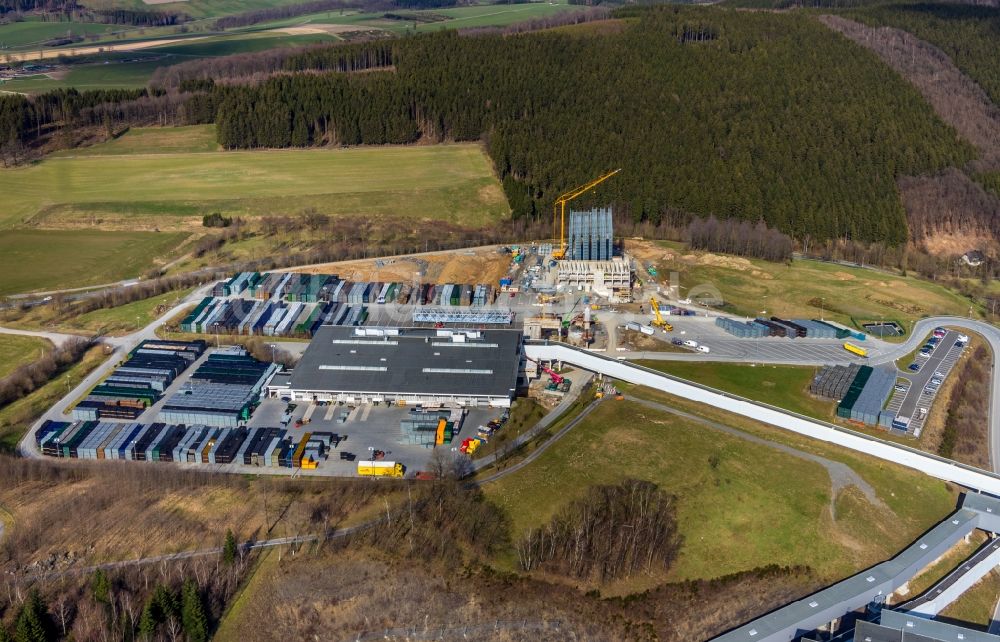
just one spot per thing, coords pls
(753, 116)
(738, 115)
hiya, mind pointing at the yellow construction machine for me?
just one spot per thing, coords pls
(658, 318)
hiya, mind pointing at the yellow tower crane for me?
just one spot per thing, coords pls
(559, 210)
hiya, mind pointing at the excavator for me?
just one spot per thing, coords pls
(657, 317)
(559, 210)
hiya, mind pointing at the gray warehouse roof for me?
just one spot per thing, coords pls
(410, 361)
(904, 627)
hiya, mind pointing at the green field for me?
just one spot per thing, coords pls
(152, 140)
(740, 504)
(783, 386)
(455, 18)
(133, 70)
(450, 182)
(48, 259)
(15, 351)
(808, 289)
(33, 32)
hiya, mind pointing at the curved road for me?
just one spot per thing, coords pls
(882, 352)
(120, 347)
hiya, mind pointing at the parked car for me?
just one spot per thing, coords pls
(901, 388)
(915, 367)
(933, 341)
(939, 374)
(939, 332)
(677, 342)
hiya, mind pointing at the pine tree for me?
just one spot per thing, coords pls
(32, 624)
(193, 617)
(5, 635)
(229, 549)
(147, 621)
(101, 586)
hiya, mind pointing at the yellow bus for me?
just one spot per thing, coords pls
(861, 352)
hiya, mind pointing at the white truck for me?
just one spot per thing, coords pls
(704, 349)
(691, 343)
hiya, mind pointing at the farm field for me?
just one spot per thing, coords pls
(740, 504)
(432, 19)
(173, 191)
(151, 140)
(35, 32)
(53, 259)
(16, 351)
(803, 288)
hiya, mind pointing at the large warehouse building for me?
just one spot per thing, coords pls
(411, 366)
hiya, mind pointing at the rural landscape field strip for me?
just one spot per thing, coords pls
(418, 182)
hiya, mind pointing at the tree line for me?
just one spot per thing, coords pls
(31, 376)
(742, 238)
(611, 533)
(965, 436)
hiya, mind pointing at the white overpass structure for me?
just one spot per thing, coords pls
(871, 586)
(932, 465)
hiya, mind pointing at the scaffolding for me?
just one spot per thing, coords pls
(468, 316)
(591, 236)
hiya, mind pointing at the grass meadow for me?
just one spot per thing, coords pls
(54, 259)
(16, 351)
(740, 504)
(147, 191)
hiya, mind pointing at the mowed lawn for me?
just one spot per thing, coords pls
(740, 504)
(809, 289)
(15, 351)
(783, 386)
(47, 260)
(450, 182)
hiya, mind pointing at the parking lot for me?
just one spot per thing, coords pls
(363, 428)
(724, 346)
(923, 385)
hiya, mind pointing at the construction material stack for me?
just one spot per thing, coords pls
(140, 381)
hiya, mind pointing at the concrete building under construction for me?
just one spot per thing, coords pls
(611, 279)
(591, 236)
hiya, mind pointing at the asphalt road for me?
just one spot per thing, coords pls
(948, 580)
(56, 338)
(120, 347)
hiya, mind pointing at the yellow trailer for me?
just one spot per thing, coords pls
(380, 469)
(861, 352)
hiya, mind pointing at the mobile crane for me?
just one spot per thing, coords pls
(657, 317)
(559, 210)
(558, 382)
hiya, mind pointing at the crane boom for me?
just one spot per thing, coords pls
(559, 209)
(657, 317)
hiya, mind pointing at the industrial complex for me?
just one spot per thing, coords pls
(406, 366)
(390, 371)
